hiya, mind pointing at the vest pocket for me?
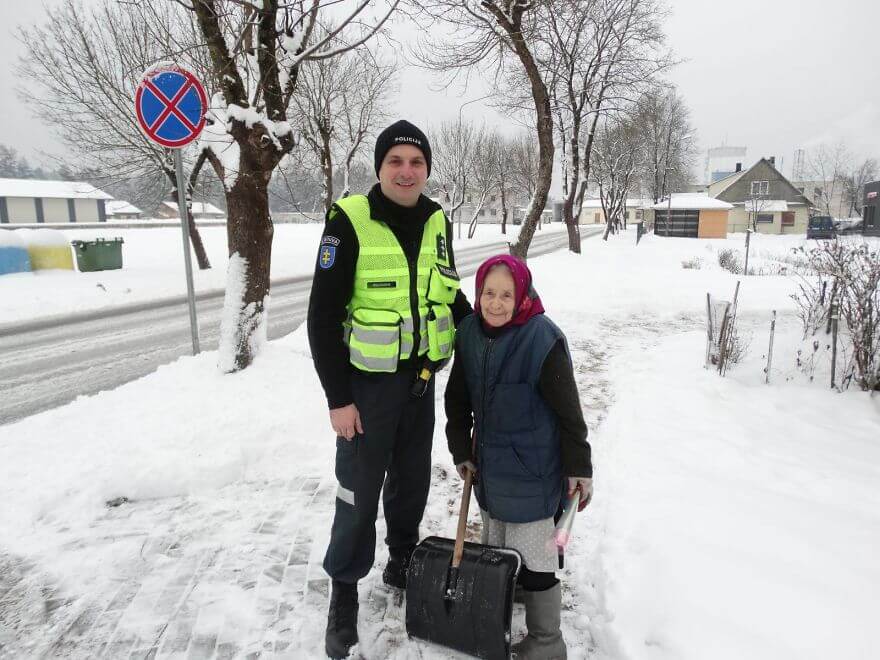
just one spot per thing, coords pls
(374, 341)
(441, 333)
(443, 284)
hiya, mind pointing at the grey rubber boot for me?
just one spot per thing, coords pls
(544, 641)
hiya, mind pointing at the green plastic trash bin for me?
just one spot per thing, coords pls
(100, 254)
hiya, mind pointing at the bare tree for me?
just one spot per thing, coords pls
(456, 148)
(502, 156)
(827, 165)
(525, 164)
(858, 174)
(336, 116)
(257, 53)
(484, 175)
(80, 73)
(600, 56)
(495, 34)
(616, 160)
(669, 141)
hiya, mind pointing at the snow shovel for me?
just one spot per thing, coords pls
(460, 594)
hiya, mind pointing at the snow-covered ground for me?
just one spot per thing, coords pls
(731, 519)
(153, 268)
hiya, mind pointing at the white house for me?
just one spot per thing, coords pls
(199, 210)
(27, 201)
(119, 209)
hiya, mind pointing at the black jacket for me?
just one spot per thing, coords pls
(557, 387)
(332, 287)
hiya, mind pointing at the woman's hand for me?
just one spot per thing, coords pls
(585, 486)
(467, 465)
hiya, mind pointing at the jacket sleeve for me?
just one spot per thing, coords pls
(332, 288)
(459, 415)
(461, 307)
(559, 389)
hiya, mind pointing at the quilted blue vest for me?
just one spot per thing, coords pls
(517, 436)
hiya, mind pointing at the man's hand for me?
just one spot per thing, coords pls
(346, 421)
(585, 486)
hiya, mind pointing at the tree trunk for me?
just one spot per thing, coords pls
(503, 211)
(198, 246)
(544, 124)
(249, 237)
(327, 171)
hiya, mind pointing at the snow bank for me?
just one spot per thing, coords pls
(185, 429)
(43, 237)
(10, 239)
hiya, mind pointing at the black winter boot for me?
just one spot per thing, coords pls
(341, 620)
(394, 574)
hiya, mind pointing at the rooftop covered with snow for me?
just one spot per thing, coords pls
(197, 208)
(118, 206)
(45, 188)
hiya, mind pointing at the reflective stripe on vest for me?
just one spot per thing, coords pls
(382, 288)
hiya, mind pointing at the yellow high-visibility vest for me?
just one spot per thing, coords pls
(380, 328)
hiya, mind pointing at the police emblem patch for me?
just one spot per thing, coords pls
(327, 256)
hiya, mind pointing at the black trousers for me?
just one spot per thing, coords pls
(393, 452)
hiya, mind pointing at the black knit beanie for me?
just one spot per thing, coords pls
(401, 132)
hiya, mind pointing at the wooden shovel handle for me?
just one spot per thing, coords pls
(462, 518)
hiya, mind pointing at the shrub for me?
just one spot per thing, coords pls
(694, 263)
(729, 260)
(846, 274)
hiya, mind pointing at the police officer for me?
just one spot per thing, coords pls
(381, 319)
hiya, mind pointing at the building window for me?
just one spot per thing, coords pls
(596, 217)
(492, 199)
(482, 212)
(639, 214)
(788, 219)
(493, 212)
(765, 217)
(760, 187)
(468, 199)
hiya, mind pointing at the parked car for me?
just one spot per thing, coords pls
(821, 226)
(848, 226)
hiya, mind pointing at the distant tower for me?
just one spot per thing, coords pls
(721, 161)
(797, 169)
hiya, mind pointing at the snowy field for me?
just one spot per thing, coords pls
(153, 268)
(731, 518)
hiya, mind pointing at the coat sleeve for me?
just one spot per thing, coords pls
(459, 415)
(559, 389)
(332, 288)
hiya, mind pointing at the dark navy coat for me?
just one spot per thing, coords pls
(519, 465)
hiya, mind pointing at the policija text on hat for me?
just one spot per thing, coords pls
(384, 303)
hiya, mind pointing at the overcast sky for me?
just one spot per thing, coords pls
(769, 75)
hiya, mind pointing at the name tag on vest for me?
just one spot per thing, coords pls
(381, 285)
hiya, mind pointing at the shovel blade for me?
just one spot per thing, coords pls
(468, 609)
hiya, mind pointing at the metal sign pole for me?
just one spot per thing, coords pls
(184, 227)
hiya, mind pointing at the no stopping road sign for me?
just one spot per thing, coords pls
(171, 103)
